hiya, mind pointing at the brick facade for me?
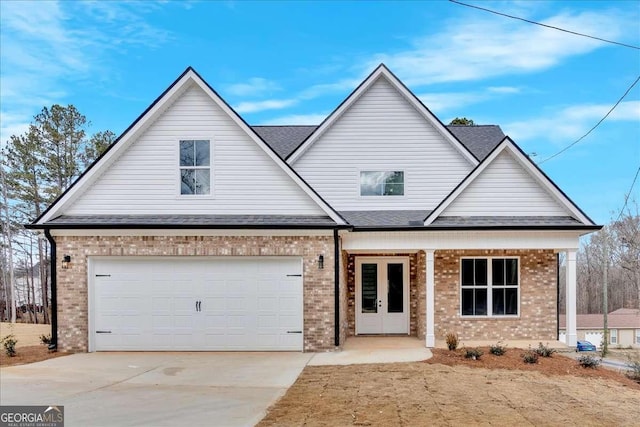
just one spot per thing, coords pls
(73, 316)
(538, 298)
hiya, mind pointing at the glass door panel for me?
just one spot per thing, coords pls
(395, 292)
(369, 288)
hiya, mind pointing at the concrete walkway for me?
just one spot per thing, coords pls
(378, 349)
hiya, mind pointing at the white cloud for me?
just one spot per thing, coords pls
(254, 86)
(46, 44)
(478, 48)
(438, 102)
(296, 119)
(570, 123)
(269, 104)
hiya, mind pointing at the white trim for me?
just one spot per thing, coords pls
(430, 295)
(189, 77)
(91, 305)
(571, 318)
(489, 288)
(179, 168)
(434, 240)
(406, 288)
(508, 144)
(381, 71)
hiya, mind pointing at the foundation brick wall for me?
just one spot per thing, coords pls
(318, 294)
(538, 298)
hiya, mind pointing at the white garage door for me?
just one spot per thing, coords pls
(594, 338)
(248, 303)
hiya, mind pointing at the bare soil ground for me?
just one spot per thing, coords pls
(449, 390)
(28, 348)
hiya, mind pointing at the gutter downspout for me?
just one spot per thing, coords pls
(54, 292)
(336, 291)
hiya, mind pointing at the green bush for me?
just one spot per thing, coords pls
(588, 361)
(9, 343)
(473, 353)
(498, 349)
(530, 356)
(452, 340)
(544, 350)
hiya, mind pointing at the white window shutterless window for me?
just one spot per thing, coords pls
(195, 167)
(613, 336)
(382, 183)
(489, 287)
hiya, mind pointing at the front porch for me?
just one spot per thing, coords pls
(524, 312)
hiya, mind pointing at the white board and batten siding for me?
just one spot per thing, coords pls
(382, 131)
(505, 188)
(144, 179)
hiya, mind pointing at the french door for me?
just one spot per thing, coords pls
(382, 295)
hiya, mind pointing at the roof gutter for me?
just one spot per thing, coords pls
(79, 226)
(53, 346)
(586, 228)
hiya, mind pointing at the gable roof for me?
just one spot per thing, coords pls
(382, 72)
(183, 82)
(508, 145)
(284, 139)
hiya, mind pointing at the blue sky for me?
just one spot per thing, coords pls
(294, 62)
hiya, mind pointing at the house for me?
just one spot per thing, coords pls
(623, 325)
(197, 231)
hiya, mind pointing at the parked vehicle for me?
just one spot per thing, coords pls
(585, 346)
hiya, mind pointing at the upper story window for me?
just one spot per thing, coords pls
(489, 286)
(195, 167)
(382, 183)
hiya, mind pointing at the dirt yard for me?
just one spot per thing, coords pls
(449, 390)
(28, 349)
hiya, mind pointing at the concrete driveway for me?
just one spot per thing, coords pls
(155, 389)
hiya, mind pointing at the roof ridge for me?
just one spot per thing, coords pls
(276, 126)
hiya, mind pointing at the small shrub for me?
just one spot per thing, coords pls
(588, 361)
(634, 369)
(45, 339)
(530, 356)
(498, 349)
(544, 350)
(9, 343)
(473, 353)
(452, 340)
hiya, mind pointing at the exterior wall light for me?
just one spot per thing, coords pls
(66, 262)
(320, 262)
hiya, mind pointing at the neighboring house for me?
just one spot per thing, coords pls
(623, 325)
(197, 231)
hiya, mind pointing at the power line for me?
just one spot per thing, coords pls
(544, 25)
(596, 125)
(626, 198)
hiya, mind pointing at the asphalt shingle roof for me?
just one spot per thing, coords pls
(480, 140)
(629, 319)
(505, 221)
(408, 218)
(284, 139)
(192, 220)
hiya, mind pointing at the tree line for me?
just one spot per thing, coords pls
(617, 248)
(35, 168)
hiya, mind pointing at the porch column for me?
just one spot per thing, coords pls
(571, 331)
(430, 307)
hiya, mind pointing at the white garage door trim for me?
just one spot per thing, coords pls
(280, 319)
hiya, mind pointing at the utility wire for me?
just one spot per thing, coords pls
(596, 125)
(626, 197)
(544, 25)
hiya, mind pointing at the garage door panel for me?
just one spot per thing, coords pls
(245, 303)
